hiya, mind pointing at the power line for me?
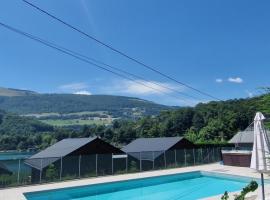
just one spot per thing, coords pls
(118, 69)
(76, 56)
(119, 52)
(123, 71)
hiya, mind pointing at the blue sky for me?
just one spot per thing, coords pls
(220, 47)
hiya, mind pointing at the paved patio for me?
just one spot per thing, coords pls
(17, 193)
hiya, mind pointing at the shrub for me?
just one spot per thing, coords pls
(251, 187)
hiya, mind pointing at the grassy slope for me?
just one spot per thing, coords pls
(69, 103)
(72, 122)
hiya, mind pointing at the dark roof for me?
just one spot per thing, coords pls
(151, 144)
(244, 137)
(151, 148)
(56, 151)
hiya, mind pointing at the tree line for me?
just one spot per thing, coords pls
(213, 122)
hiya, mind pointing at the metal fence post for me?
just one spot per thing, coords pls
(208, 157)
(40, 172)
(96, 164)
(127, 163)
(153, 159)
(79, 166)
(61, 167)
(175, 159)
(215, 154)
(201, 156)
(165, 162)
(219, 154)
(19, 169)
(212, 154)
(209, 152)
(218, 159)
(140, 161)
(185, 154)
(112, 163)
(194, 159)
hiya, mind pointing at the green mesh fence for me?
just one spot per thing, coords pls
(104, 164)
(88, 166)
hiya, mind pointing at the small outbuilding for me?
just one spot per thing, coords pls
(157, 150)
(72, 157)
(157, 144)
(243, 139)
(240, 155)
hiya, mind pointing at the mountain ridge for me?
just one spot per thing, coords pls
(28, 102)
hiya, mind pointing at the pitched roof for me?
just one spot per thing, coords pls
(150, 148)
(56, 151)
(151, 144)
(244, 137)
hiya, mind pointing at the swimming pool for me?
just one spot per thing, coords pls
(184, 186)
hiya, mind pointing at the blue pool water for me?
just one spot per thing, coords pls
(185, 186)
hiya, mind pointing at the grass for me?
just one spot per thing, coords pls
(66, 114)
(87, 113)
(71, 122)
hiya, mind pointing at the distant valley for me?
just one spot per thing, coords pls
(36, 121)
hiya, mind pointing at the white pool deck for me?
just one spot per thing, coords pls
(17, 193)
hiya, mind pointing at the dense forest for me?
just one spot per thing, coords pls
(212, 122)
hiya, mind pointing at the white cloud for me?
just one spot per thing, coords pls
(83, 92)
(141, 87)
(235, 80)
(80, 88)
(219, 80)
(156, 91)
(250, 94)
(73, 86)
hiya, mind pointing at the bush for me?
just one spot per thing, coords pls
(251, 187)
(51, 173)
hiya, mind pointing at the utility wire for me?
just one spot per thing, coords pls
(118, 51)
(76, 55)
(118, 69)
(122, 71)
(137, 76)
(130, 74)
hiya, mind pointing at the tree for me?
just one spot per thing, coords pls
(51, 172)
(192, 135)
(198, 121)
(213, 131)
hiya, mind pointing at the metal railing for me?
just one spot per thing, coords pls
(240, 148)
(41, 170)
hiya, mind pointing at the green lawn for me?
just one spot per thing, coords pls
(70, 122)
(87, 113)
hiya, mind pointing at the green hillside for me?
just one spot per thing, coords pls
(117, 106)
(214, 122)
